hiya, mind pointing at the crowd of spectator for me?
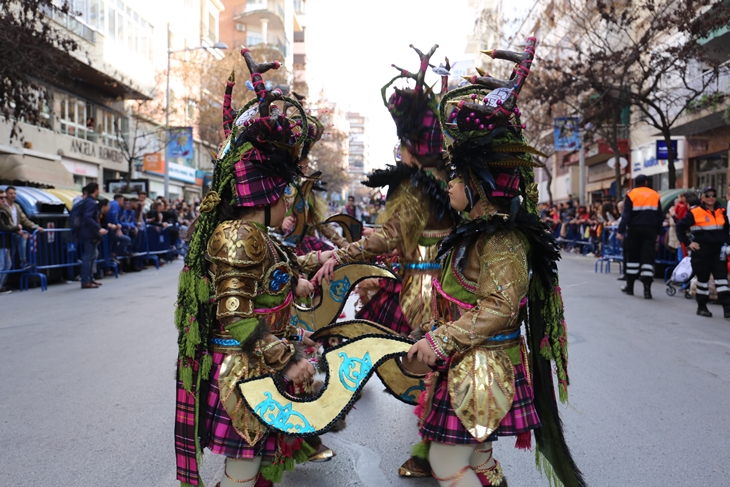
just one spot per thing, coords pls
(126, 219)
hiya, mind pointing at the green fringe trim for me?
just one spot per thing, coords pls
(546, 469)
(421, 450)
(186, 376)
(304, 452)
(242, 329)
(206, 365)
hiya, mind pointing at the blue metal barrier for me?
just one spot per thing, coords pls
(611, 251)
(10, 247)
(105, 260)
(54, 248)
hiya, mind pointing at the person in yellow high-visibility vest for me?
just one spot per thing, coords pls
(641, 222)
(705, 231)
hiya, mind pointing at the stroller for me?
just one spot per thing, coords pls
(681, 278)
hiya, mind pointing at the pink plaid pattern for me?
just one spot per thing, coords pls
(507, 184)
(222, 437)
(187, 465)
(253, 186)
(443, 426)
(428, 140)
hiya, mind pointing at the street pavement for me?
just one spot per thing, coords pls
(87, 392)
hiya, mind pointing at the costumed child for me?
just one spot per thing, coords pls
(417, 213)
(308, 205)
(499, 272)
(235, 296)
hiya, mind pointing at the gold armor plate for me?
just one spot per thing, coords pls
(233, 369)
(482, 387)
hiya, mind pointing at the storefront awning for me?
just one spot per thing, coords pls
(16, 167)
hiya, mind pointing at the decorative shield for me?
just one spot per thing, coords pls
(348, 367)
(335, 293)
(402, 384)
(351, 226)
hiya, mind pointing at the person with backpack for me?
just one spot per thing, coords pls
(89, 232)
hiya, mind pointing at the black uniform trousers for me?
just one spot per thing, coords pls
(706, 261)
(641, 250)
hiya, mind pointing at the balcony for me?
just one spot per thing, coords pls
(706, 112)
(256, 40)
(256, 11)
(71, 23)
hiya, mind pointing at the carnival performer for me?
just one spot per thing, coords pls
(417, 213)
(417, 216)
(243, 329)
(308, 204)
(499, 271)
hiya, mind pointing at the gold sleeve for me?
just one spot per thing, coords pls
(238, 251)
(382, 241)
(503, 282)
(334, 237)
(276, 353)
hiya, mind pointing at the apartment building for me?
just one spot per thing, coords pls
(121, 60)
(358, 162)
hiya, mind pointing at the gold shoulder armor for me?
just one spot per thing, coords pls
(237, 243)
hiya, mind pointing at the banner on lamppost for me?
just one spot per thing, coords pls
(567, 133)
(180, 143)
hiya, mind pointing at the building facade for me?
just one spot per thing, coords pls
(358, 161)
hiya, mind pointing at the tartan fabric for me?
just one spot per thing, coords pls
(423, 137)
(255, 185)
(443, 426)
(507, 183)
(187, 464)
(222, 437)
(384, 308)
(310, 243)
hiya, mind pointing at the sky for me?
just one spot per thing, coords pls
(351, 45)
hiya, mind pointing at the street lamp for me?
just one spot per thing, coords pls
(217, 45)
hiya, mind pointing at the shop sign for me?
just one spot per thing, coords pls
(89, 149)
(662, 152)
(153, 162)
(182, 173)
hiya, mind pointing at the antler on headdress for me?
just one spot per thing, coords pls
(264, 97)
(228, 113)
(497, 107)
(420, 75)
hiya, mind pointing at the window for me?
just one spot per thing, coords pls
(212, 27)
(241, 27)
(75, 116)
(107, 128)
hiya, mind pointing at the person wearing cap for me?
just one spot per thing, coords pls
(705, 231)
(641, 222)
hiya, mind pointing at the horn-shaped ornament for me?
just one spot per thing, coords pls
(228, 113)
(419, 76)
(489, 102)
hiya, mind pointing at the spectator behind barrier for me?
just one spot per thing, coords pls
(6, 225)
(110, 214)
(90, 235)
(27, 226)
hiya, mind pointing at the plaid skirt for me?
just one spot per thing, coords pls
(310, 243)
(222, 438)
(443, 426)
(384, 308)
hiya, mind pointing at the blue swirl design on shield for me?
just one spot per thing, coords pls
(339, 288)
(297, 322)
(411, 394)
(300, 205)
(354, 370)
(277, 416)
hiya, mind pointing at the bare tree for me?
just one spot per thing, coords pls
(645, 55)
(33, 52)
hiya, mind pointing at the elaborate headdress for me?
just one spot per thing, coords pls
(489, 152)
(258, 160)
(414, 110)
(483, 119)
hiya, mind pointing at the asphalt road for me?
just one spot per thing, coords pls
(87, 392)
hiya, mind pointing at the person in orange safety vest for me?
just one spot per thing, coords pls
(641, 222)
(706, 232)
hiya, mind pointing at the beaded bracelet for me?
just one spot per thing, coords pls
(438, 350)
